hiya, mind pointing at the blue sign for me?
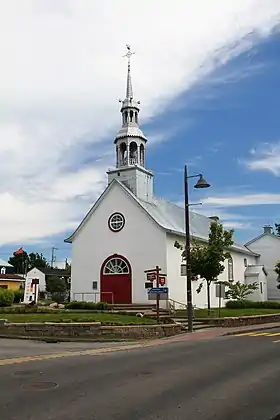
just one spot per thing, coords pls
(158, 290)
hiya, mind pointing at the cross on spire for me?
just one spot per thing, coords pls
(129, 92)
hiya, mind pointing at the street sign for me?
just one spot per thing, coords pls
(158, 290)
(148, 284)
(162, 280)
(220, 290)
(151, 276)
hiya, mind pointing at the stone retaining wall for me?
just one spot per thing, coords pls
(242, 320)
(92, 331)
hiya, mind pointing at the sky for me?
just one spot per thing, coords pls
(207, 76)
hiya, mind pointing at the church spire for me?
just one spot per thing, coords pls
(129, 92)
(130, 144)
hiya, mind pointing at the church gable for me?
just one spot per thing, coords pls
(116, 210)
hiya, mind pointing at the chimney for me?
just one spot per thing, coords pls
(267, 229)
(215, 218)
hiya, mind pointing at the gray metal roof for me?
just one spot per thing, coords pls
(172, 218)
(4, 263)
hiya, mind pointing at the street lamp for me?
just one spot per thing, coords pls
(201, 183)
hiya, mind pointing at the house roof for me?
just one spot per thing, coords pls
(169, 216)
(255, 270)
(13, 277)
(261, 236)
(4, 263)
(48, 271)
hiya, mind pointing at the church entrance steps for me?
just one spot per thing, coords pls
(197, 325)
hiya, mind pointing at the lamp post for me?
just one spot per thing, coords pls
(201, 183)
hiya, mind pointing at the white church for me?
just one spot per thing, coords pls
(128, 230)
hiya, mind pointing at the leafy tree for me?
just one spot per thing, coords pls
(239, 291)
(57, 287)
(24, 261)
(19, 261)
(277, 228)
(207, 260)
(277, 267)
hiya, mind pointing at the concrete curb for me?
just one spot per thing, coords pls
(261, 327)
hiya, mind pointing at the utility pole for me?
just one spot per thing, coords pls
(53, 256)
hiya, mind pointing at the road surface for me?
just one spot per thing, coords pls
(222, 378)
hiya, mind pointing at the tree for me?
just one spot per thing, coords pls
(24, 261)
(19, 261)
(57, 287)
(207, 260)
(239, 291)
(277, 228)
(277, 270)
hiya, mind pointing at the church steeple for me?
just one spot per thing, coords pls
(131, 145)
(130, 140)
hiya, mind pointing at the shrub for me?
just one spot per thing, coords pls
(91, 306)
(6, 297)
(18, 296)
(241, 304)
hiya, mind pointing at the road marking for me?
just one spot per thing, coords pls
(259, 334)
(251, 334)
(276, 341)
(91, 352)
(274, 334)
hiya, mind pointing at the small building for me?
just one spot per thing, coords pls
(42, 275)
(129, 230)
(268, 246)
(8, 279)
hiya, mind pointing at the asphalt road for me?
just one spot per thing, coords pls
(223, 378)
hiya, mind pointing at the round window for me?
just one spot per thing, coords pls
(116, 222)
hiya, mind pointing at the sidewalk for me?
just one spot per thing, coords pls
(214, 332)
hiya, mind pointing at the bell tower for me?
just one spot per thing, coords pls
(130, 144)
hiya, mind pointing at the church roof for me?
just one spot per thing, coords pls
(4, 263)
(169, 216)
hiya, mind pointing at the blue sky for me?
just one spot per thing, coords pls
(222, 119)
(209, 93)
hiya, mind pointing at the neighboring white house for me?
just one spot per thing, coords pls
(128, 230)
(42, 274)
(268, 246)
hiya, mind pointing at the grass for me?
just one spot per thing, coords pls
(73, 316)
(225, 312)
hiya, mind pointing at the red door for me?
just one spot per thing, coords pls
(116, 280)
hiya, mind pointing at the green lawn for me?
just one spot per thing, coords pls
(70, 316)
(203, 313)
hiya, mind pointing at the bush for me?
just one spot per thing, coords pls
(91, 306)
(18, 296)
(6, 297)
(241, 304)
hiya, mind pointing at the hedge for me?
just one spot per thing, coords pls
(6, 297)
(91, 306)
(240, 304)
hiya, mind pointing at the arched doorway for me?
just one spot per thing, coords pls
(115, 280)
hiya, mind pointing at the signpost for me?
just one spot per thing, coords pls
(160, 293)
(220, 293)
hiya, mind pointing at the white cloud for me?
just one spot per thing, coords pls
(243, 200)
(61, 76)
(265, 158)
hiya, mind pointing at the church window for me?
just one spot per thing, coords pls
(126, 116)
(116, 222)
(3, 270)
(136, 117)
(133, 153)
(131, 116)
(230, 269)
(116, 266)
(142, 155)
(123, 154)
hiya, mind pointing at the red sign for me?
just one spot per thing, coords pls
(151, 276)
(162, 281)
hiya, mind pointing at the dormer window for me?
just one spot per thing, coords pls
(3, 270)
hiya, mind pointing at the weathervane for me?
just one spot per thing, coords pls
(129, 53)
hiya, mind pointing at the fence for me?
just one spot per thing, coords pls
(93, 297)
